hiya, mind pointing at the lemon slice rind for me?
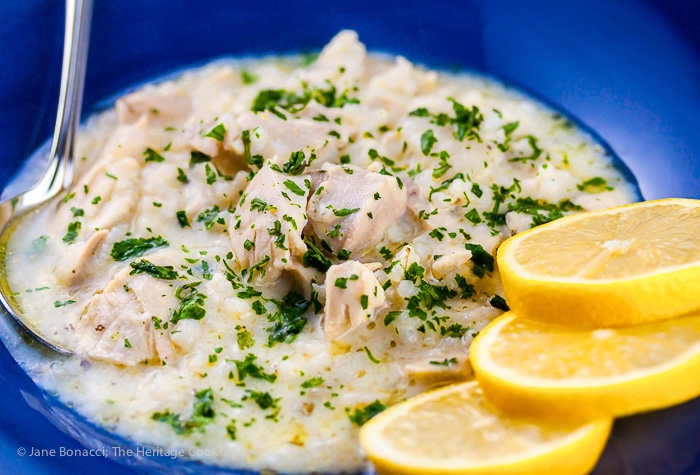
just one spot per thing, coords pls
(646, 297)
(574, 453)
(666, 384)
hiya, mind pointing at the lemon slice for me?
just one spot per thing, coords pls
(542, 370)
(455, 431)
(621, 266)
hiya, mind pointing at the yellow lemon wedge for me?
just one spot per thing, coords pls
(621, 266)
(453, 430)
(542, 370)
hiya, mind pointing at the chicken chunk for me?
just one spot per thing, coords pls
(342, 61)
(352, 208)
(265, 231)
(388, 91)
(107, 195)
(517, 222)
(164, 104)
(80, 266)
(353, 296)
(117, 325)
(271, 135)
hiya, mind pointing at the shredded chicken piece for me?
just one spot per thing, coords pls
(117, 324)
(353, 208)
(353, 296)
(163, 104)
(79, 270)
(266, 228)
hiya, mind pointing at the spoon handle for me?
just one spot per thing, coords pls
(59, 172)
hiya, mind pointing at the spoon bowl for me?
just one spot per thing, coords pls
(58, 175)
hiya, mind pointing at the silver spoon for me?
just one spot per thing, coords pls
(58, 175)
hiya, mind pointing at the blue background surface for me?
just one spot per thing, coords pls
(630, 69)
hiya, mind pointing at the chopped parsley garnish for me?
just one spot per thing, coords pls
(256, 160)
(275, 99)
(217, 133)
(345, 211)
(258, 204)
(59, 303)
(77, 212)
(510, 127)
(191, 303)
(473, 216)
(428, 297)
(181, 176)
(443, 166)
(244, 339)
(370, 355)
(211, 176)
(277, 233)
(314, 258)
(208, 216)
(536, 151)
(445, 362)
(152, 156)
(264, 400)
(73, 231)
(361, 416)
(271, 99)
(136, 247)
(342, 282)
(182, 218)
(467, 120)
(445, 185)
(482, 261)
(159, 272)
(294, 188)
(249, 78)
(500, 194)
(435, 234)
(390, 317)
(202, 415)
(257, 267)
(499, 302)
(420, 112)
(39, 244)
(536, 208)
(247, 367)
(467, 289)
(231, 428)
(427, 140)
(456, 330)
(289, 319)
(594, 185)
(96, 200)
(198, 157)
(313, 382)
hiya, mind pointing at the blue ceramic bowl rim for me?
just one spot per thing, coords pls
(69, 421)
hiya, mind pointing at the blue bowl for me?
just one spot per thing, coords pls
(628, 69)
